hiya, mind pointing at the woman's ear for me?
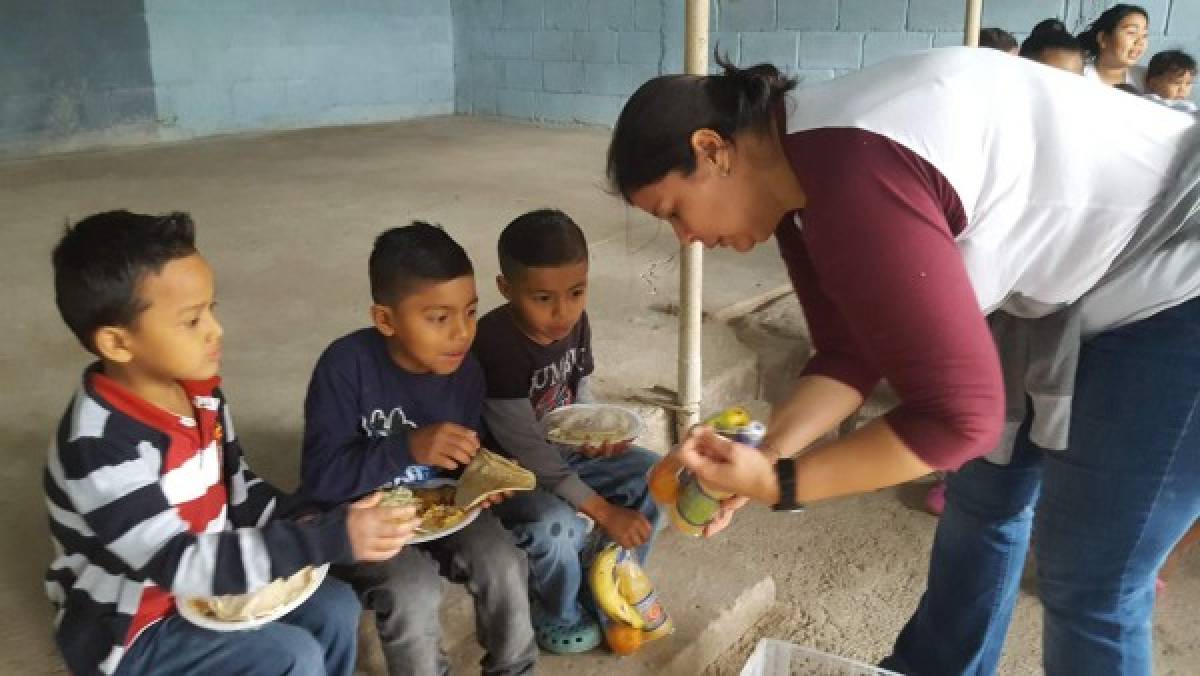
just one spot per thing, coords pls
(712, 149)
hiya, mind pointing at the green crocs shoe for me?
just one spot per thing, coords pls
(555, 636)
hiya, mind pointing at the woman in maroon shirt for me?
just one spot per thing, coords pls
(867, 230)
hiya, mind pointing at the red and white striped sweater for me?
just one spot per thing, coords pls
(145, 505)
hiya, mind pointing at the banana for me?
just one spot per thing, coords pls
(604, 589)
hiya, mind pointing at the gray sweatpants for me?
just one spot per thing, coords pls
(405, 592)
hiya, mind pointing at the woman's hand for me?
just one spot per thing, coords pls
(729, 466)
(729, 507)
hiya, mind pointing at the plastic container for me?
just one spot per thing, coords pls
(691, 504)
(772, 657)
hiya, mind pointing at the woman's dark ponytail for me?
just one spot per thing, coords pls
(760, 90)
(653, 134)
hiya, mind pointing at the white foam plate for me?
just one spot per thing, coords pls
(633, 422)
(199, 619)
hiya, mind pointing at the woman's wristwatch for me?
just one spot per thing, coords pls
(785, 472)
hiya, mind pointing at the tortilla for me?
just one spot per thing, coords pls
(264, 602)
(489, 474)
(399, 497)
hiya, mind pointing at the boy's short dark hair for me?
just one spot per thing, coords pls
(409, 257)
(997, 38)
(545, 238)
(1170, 62)
(100, 263)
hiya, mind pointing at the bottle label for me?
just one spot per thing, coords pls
(695, 505)
(651, 611)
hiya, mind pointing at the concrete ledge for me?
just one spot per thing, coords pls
(708, 617)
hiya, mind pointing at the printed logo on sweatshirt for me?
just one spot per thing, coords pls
(381, 424)
(554, 398)
(557, 373)
(413, 474)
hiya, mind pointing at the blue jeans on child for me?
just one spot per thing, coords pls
(1105, 513)
(552, 533)
(318, 638)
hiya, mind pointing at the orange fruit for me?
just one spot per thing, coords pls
(664, 486)
(623, 639)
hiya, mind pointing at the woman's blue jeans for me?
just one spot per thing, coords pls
(1104, 514)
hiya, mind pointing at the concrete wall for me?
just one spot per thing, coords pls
(81, 73)
(578, 60)
(70, 69)
(228, 65)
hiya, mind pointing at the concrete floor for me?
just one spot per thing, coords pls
(287, 221)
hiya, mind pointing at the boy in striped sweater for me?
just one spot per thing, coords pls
(148, 492)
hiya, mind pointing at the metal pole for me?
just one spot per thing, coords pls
(691, 270)
(973, 21)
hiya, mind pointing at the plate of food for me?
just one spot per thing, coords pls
(251, 611)
(446, 506)
(434, 501)
(591, 425)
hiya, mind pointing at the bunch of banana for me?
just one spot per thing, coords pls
(605, 590)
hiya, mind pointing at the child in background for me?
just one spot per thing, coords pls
(393, 405)
(1052, 44)
(149, 494)
(998, 38)
(536, 353)
(1169, 80)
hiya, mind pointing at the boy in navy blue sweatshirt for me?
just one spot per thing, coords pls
(394, 405)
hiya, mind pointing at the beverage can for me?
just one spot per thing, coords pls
(751, 435)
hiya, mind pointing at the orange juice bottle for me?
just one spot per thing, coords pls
(635, 587)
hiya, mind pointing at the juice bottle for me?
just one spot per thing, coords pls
(636, 588)
(691, 504)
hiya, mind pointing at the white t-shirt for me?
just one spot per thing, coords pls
(1135, 76)
(1053, 173)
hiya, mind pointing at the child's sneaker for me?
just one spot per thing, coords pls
(555, 636)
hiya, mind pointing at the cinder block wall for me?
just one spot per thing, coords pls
(578, 60)
(226, 65)
(81, 73)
